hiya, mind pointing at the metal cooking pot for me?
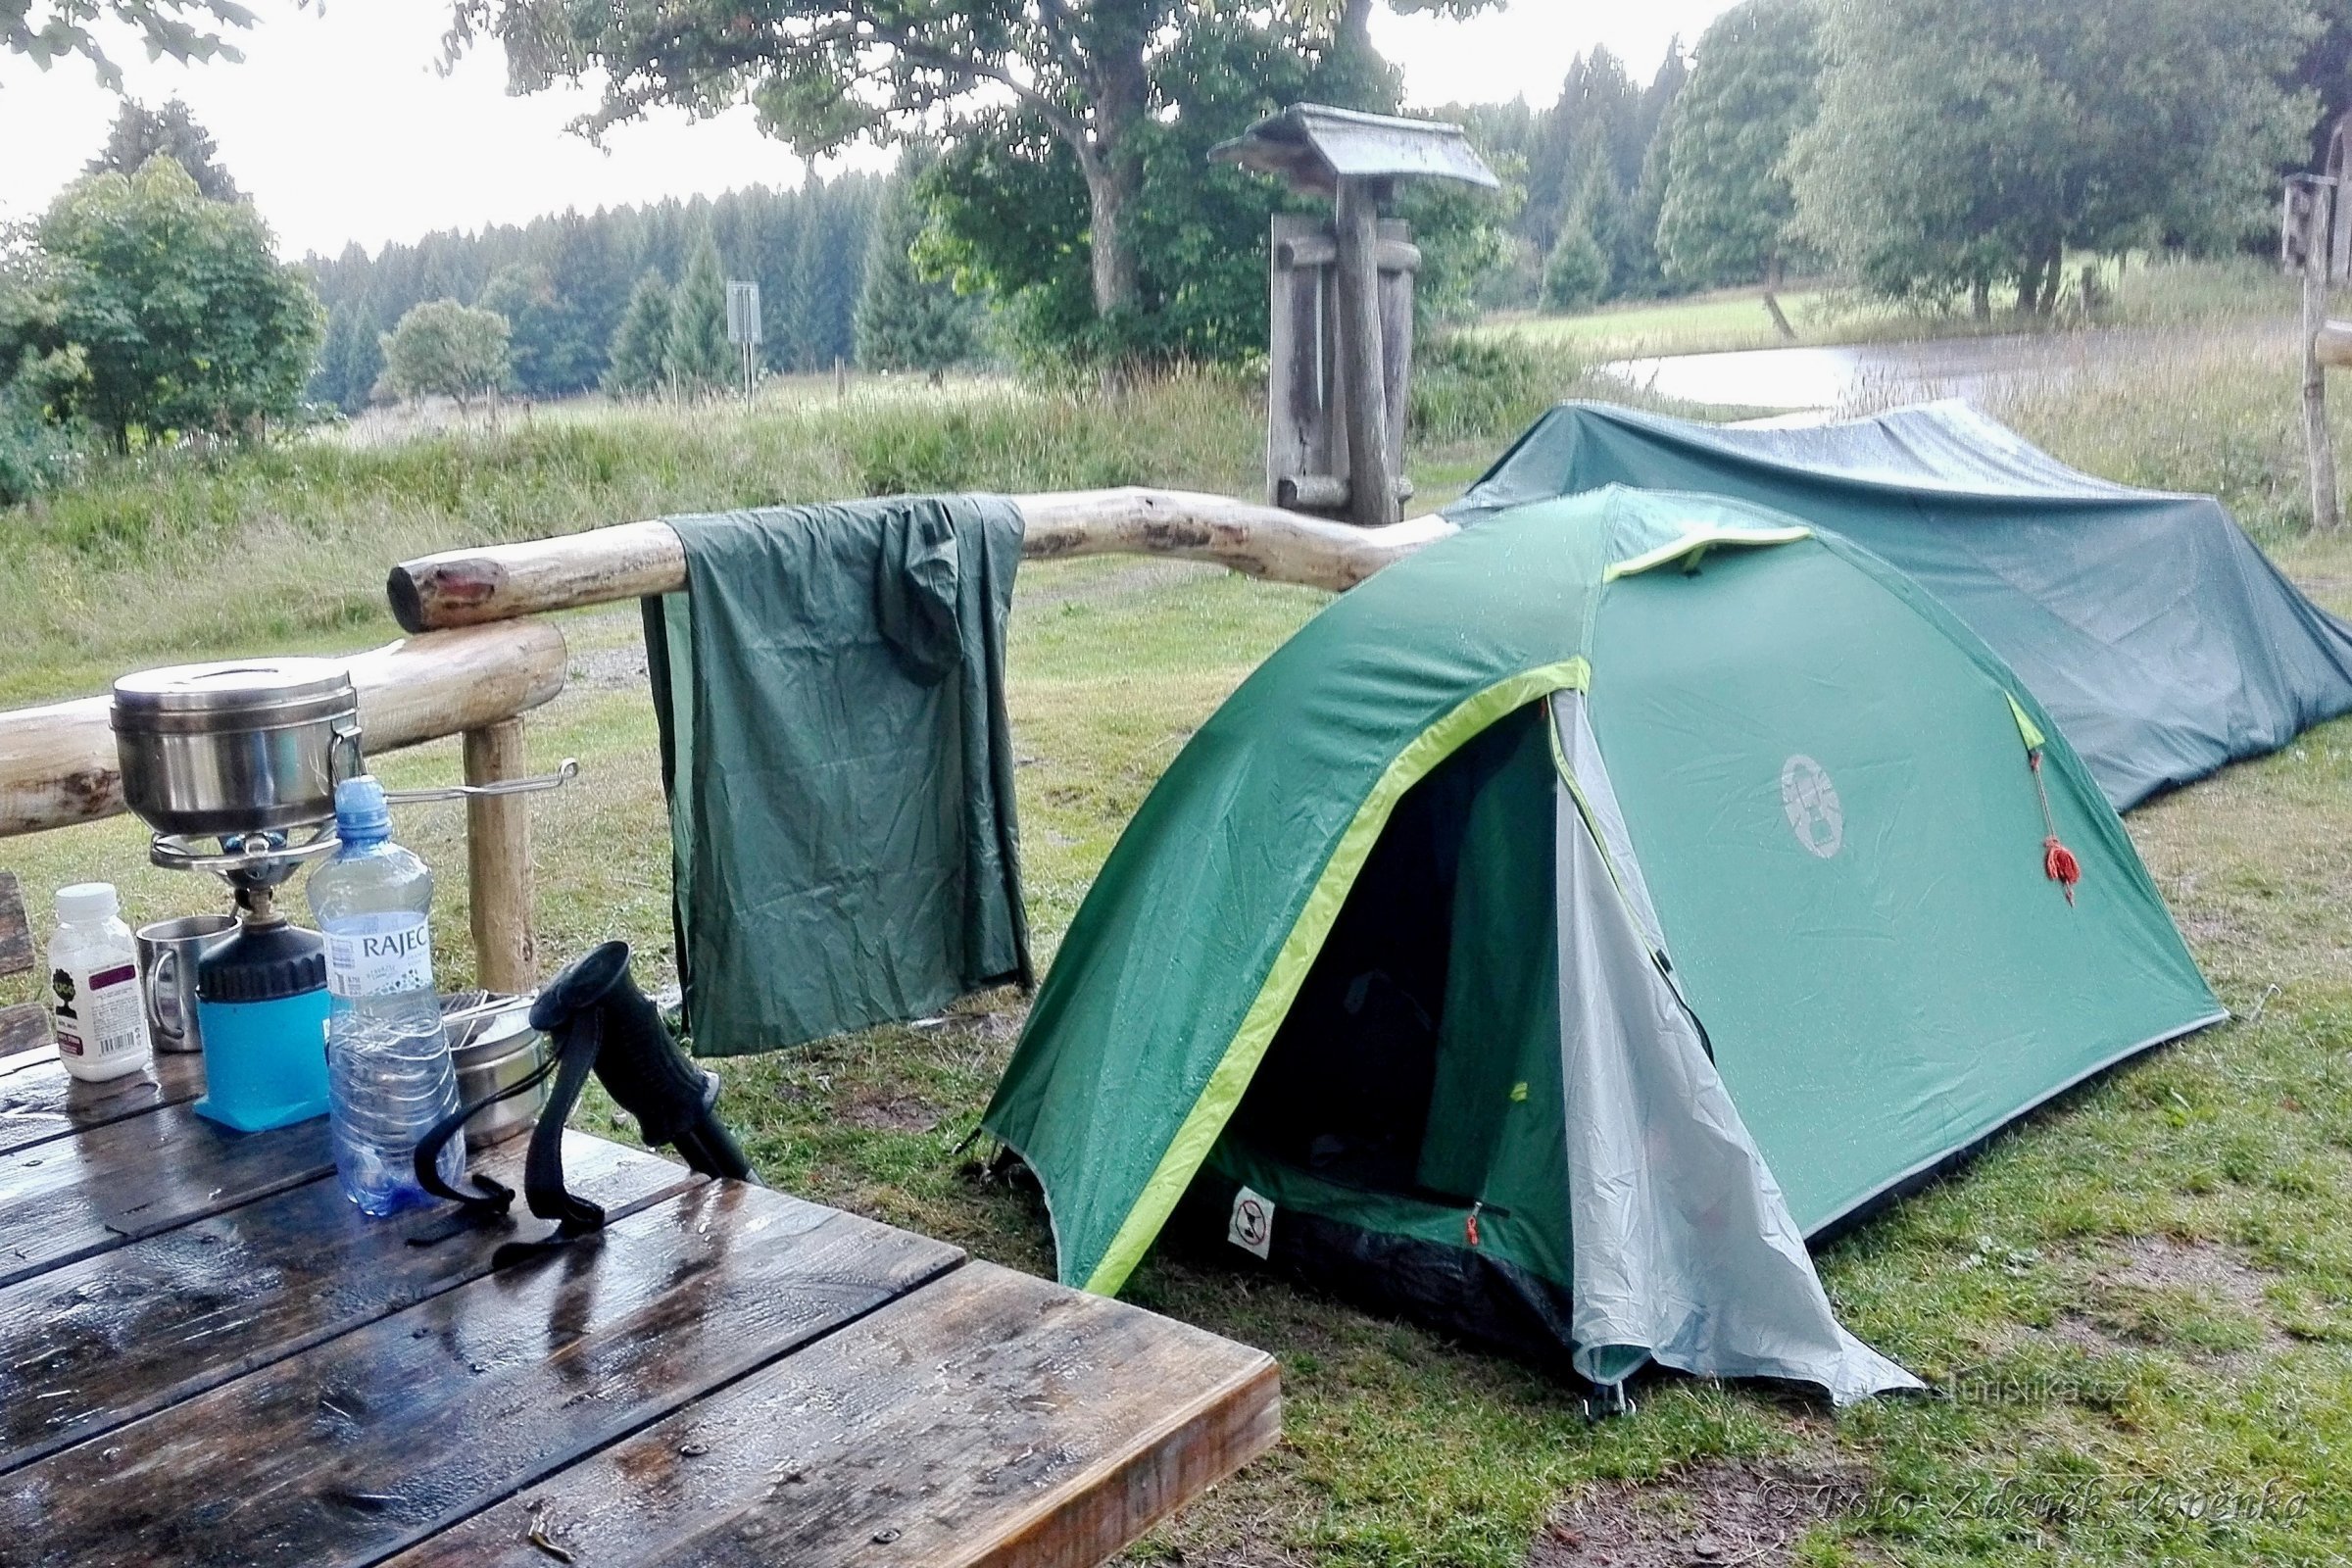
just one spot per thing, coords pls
(493, 1047)
(236, 747)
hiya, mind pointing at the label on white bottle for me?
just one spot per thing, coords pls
(378, 955)
(100, 1014)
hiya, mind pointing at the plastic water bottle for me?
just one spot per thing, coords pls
(388, 1073)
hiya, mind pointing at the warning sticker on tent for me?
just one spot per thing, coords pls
(1252, 1226)
(1811, 801)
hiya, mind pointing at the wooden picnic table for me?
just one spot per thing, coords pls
(208, 1356)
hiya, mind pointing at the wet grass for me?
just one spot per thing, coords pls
(2137, 1306)
(2137, 292)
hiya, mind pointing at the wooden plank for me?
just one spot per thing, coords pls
(23, 1027)
(372, 1441)
(71, 1197)
(15, 932)
(101, 1343)
(987, 1420)
(40, 1100)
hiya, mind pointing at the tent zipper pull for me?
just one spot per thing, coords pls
(1470, 1224)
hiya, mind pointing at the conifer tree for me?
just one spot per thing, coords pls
(698, 358)
(641, 343)
(906, 321)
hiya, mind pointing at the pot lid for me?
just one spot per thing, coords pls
(234, 694)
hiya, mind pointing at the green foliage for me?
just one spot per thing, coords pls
(906, 321)
(1596, 160)
(146, 307)
(696, 357)
(48, 30)
(35, 454)
(1109, 98)
(140, 133)
(1577, 273)
(1728, 206)
(804, 247)
(545, 347)
(1478, 388)
(1007, 199)
(1959, 146)
(641, 343)
(448, 349)
(350, 362)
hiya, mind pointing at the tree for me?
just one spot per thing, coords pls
(1576, 273)
(537, 325)
(1006, 204)
(906, 320)
(156, 310)
(641, 343)
(140, 133)
(698, 359)
(48, 30)
(1727, 209)
(826, 72)
(351, 360)
(447, 348)
(1961, 146)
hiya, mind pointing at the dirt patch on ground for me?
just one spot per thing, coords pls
(1708, 1516)
(606, 669)
(2162, 1263)
(895, 1114)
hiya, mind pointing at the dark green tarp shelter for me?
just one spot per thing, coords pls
(2164, 643)
(1573, 918)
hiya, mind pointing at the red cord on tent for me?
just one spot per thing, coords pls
(1470, 1225)
(2058, 862)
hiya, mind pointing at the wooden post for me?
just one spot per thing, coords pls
(1371, 495)
(498, 862)
(2319, 209)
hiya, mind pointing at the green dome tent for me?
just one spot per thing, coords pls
(2162, 640)
(1573, 918)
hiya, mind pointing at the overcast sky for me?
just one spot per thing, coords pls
(341, 128)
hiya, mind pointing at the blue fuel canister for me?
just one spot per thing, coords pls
(261, 1011)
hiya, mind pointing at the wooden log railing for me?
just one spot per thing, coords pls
(632, 559)
(58, 764)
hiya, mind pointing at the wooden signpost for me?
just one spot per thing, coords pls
(1340, 346)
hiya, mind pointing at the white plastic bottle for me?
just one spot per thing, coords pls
(97, 1004)
(388, 1073)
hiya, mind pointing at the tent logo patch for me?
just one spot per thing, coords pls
(1811, 801)
(1252, 1228)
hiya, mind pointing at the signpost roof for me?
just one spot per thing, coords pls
(1312, 147)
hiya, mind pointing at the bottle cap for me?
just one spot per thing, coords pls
(86, 901)
(361, 815)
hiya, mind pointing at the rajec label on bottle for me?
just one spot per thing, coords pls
(100, 1014)
(369, 959)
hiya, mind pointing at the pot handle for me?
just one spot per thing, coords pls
(344, 758)
(568, 771)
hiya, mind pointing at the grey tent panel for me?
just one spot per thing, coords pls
(1685, 1248)
(2164, 643)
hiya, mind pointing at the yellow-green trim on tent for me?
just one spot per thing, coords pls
(2027, 730)
(1222, 1093)
(1697, 541)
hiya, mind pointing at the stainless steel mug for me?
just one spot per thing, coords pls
(167, 954)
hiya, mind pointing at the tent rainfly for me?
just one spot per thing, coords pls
(1572, 919)
(2164, 643)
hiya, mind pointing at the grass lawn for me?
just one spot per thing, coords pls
(2137, 1308)
(1723, 320)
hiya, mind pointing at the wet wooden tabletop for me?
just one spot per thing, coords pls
(207, 1356)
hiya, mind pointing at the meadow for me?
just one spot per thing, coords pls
(2137, 1308)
